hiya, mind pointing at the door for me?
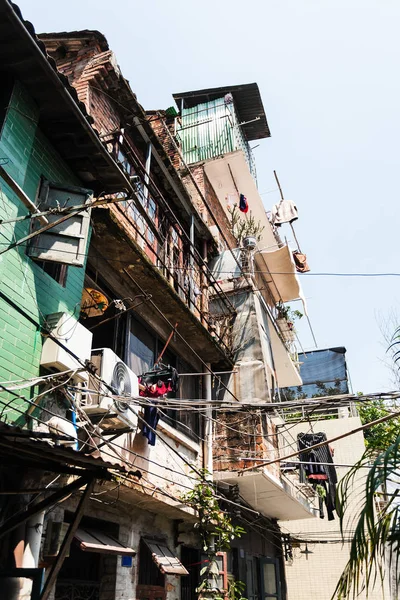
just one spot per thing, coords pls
(270, 578)
(252, 592)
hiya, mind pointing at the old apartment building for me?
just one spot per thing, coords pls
(136, 250)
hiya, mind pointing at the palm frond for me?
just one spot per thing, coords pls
(375, 547)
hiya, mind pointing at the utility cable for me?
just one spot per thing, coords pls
(177, 268)
(395, 414)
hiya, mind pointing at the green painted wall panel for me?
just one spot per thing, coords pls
(30, 156)
(210, 130)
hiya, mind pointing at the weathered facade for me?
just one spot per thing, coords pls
(137, 265)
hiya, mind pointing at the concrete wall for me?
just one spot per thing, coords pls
(315, 577)
(168, 467)
(119, 582)
(29, 156)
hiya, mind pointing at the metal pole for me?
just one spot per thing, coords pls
(208, 428)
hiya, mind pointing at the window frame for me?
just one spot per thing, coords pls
(264, 560)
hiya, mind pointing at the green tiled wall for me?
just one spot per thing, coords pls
(28, 156)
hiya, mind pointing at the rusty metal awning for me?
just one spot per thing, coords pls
(93, 540)
(165, 560)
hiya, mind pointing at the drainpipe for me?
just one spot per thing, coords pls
(208, 428)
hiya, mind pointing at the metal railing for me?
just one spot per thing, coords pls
(74, 589)
(210, 130)
(172, 252)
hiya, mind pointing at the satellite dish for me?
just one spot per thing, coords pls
(94, 303)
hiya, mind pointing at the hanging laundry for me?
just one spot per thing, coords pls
(243, 204)
(156, 384)
(159, 382)
(318, 474)
(228, 98)
(151, 418)
(284, 212)
(300, 260)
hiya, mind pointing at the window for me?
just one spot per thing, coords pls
(143, 350)
(55, 270)
(66, 242)
(189, 389)
(142, 347)
(252, 580)
(270, 587)
(125, 163)
(81, 575)
(151, 582)
(218, 581)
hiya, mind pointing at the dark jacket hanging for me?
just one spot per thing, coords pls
(316, 473)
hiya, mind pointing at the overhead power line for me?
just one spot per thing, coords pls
(392, 415)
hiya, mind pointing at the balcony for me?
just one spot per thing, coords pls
(147, 242)
(250, 440)
(276, 498)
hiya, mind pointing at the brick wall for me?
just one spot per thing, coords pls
(212, 200)
(244, 436)
(198, 174)
(30, 156)
(74, 62)
(159, 128)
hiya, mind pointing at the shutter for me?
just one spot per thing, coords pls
(67, 242)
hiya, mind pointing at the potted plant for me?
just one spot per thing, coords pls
(285, 320)
(247, 231)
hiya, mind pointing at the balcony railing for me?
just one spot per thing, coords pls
(77, 590)
(169, 248)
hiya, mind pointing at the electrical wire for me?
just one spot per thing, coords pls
(308, 274)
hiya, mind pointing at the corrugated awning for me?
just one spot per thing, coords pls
(93, 540)
(165, 560)
(280, 273)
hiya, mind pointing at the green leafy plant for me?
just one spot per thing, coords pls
(216, 531)
(236, 590)
(375, 547)
(381, 436)
(285, 312)
(244, 227)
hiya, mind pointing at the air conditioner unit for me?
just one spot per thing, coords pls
(108, 413)
(74, 336)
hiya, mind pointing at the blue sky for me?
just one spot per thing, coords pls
(328, 75)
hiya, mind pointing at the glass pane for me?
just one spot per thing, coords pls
(269, 578)
(141, 349)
